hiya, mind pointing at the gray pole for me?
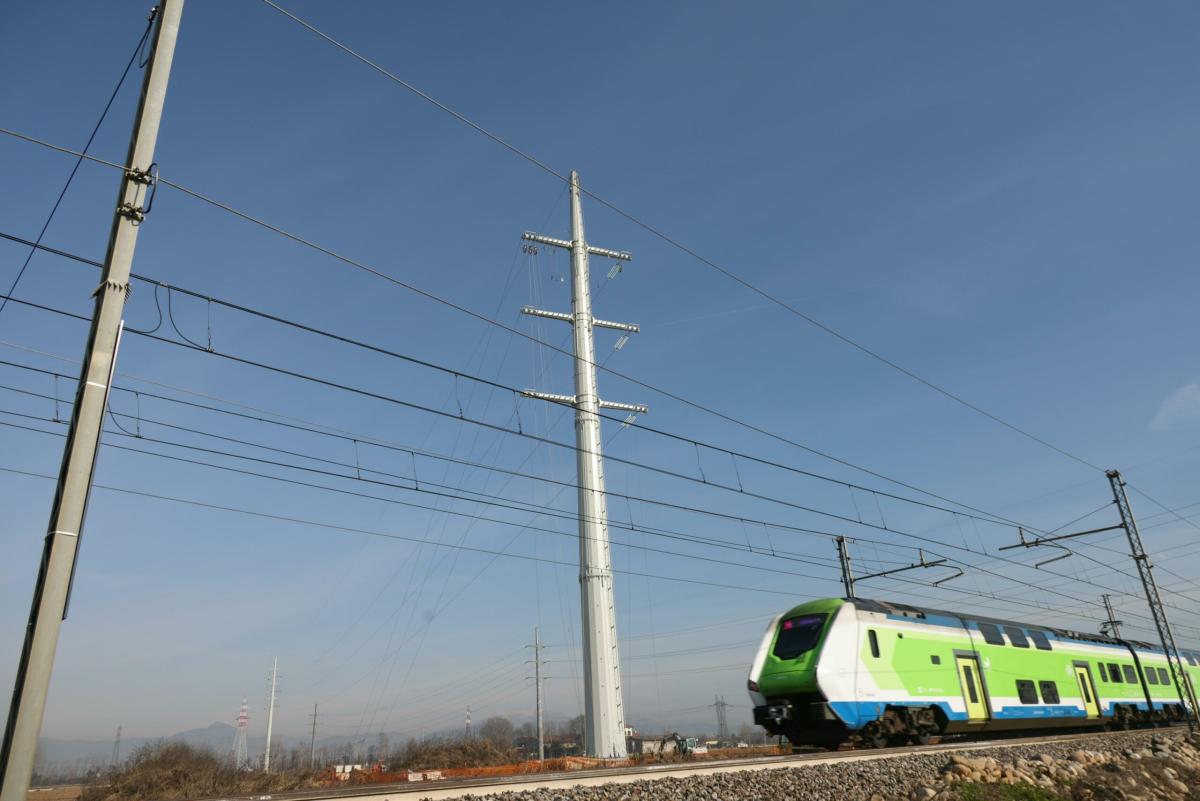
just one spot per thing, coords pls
(847, 576)
(1157, 611)
(53, 588)
(270, 716)
(537, 679)
(312, 743)
(604, 719)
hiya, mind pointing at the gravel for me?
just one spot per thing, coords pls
(910, 778)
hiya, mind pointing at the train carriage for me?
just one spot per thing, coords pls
(881, 673)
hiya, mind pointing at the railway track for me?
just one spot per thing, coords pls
(596, 776)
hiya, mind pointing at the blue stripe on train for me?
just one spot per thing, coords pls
(856, 714)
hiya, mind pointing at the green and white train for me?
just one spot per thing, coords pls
(879, 673)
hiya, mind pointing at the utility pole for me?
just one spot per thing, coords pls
(116, 755)
(312, 743)
(270, 716)
(467, 725)
(52, 589)
(537, 681)
(844, 559)
(1157, 610)
(604, 721)
(1112, 626)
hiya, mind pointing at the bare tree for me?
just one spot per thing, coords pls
(497, 731)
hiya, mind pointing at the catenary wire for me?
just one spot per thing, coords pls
(673, 242)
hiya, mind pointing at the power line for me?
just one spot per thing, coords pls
(457, 374)
(370, 532)
(504, 522)
(34, 246)
(490, 321)
(675, 474)
(417, 481)
(658, 233)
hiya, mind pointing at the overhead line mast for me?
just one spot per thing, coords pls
(604, 718)
(52, 589)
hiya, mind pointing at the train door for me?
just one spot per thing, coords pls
(1088, 691)
(972, 687)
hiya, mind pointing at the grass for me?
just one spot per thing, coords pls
(1007, 792)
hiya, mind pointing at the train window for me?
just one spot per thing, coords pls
(1040, 641)
(991, 634)
(874, 642)
(798, 635)
(1191, 659)
(1026, 692)
(1151, 675)
(1130, 675)
(1016, 636)
(1049, 691)
(1103, 671)
(1114, 673)
(1163, 676)
(969, 675)
(935, 659)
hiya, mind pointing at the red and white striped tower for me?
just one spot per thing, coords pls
(241, 755)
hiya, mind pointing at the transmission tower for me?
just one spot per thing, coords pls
(604, 718)
(467, 725)
(241, 756)
(722, 725)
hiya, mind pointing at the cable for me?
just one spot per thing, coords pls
(504, 522)
(79, 160)
(457, 374)
(408, 404)
(658, 233)
(367, 532)
(484, 318)
(542, 509)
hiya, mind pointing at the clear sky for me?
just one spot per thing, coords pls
(1001, 199)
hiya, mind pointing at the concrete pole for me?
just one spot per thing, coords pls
(604, 726)
(312, 743)
(53, 588)
(270, 716)
(537, 680)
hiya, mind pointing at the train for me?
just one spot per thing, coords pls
(877, 674)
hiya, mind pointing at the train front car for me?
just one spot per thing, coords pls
(784, 684)
(831, 671)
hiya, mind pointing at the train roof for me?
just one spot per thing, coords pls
(906, 610)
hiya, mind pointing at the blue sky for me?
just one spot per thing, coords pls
(997, 198)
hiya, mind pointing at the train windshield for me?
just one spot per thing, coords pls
(798, 635)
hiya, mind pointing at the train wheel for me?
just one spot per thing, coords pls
(923, 738)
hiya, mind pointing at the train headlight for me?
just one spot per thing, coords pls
(752, 685)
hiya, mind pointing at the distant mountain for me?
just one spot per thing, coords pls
(55, 755)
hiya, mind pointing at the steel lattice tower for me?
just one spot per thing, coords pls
(241, 755)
